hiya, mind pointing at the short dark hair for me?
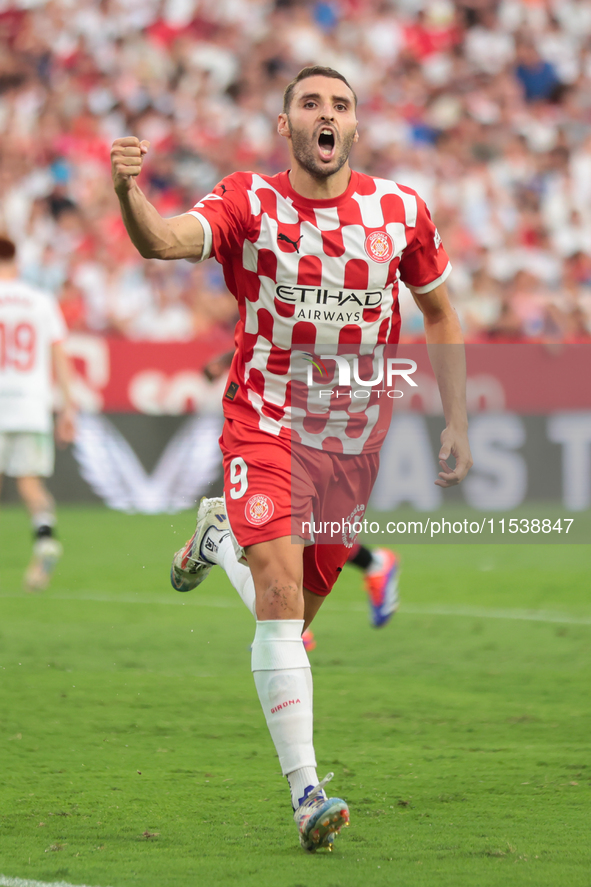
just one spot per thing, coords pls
(7, 249)
(312, 71)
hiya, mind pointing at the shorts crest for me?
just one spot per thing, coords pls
(259, 509)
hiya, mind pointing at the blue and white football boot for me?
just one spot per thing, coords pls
(381, 584)
(190, 565)
(320, 818)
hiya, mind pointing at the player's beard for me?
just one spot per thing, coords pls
(304, 150)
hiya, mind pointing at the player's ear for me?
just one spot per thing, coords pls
(283, 126)
(356, 136)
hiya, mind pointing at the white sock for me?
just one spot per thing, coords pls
(284, 683)
(210, 544)
(377, 563)
(301, 783)
(221, 551)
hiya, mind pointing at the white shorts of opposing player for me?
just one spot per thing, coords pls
(26, 454)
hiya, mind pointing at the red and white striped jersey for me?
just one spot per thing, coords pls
(310, 275)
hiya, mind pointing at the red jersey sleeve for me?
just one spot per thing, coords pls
(224, 215)
(424, 263)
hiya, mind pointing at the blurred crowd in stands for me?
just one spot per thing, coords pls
(484, 107)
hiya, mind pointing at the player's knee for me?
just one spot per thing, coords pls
(280, 599)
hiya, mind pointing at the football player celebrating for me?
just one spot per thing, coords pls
(294, 247)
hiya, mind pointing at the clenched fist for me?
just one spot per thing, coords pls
(126, 162)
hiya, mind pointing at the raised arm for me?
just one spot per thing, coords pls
(180, 237)
(448, 359)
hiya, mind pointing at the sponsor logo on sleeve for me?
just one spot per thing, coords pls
(352, 526)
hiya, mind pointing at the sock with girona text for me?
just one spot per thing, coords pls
(283, 680)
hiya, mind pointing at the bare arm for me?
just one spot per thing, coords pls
(218, 366)
(154, 237)
(448, 359)
(65, 428)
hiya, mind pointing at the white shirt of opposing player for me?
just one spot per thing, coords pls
(30, 323)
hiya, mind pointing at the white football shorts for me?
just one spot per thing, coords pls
(26, 454)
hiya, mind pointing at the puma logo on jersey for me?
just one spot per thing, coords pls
(224, 189)
(232, 390)
(294, 243)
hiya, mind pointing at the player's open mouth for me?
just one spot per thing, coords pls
(326, 144)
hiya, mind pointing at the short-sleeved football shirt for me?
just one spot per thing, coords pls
(30, 322)
(310, 275)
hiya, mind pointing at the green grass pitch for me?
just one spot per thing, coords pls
(133, 752)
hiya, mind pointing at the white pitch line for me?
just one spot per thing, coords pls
(484, 613)
(20, 882)
(224, 603)
(175, 599)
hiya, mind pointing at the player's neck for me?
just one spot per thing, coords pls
(313, 188)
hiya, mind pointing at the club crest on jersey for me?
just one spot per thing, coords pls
(379, 246)
(259, 509)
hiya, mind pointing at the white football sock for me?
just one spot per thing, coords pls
(238, 574)
(284, 683)
(210, 544)
(378, 563)
(301, 783)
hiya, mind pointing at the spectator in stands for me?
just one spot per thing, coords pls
(73, 307)
(482, 106)
(537, 76)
